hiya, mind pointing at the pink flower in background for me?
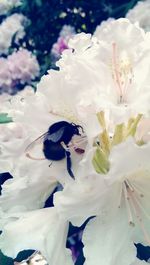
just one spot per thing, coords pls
(62, 42)
(18, 69)
(59, 46)
(23, 66)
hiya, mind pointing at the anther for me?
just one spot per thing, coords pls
(131, 223)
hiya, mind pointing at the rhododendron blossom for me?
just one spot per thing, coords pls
(12, 25)
(102, 87)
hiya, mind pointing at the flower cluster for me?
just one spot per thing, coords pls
(18, 67)
(91, 122)
(10, 27)
(17, 70)
(7, 5)
(62, 42)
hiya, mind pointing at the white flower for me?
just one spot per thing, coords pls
(119, 200)
(35, 174)
(41, 230)
(102, 26)
(29, 176)
(62, 42)
(126, 54)
(140, 14)
(6, 5)
(111, 182)
(8, 28)
(110, 74)
(33, 179)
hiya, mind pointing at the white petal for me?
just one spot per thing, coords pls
(134, 158)
(78, 201)
(23, 194)
(41, 230)
(107, 238)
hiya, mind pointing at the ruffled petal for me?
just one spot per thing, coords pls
(107, 238)
(41, 230)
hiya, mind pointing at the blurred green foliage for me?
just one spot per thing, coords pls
(4, 118)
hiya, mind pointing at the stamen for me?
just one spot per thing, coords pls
(120, 197)
(137, 207)
(116, 71)
(129, 185)
(34, 158)
(127, 198)
(137, 190)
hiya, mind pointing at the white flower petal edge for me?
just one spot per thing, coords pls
(110, 244)
(107, 241)
(41, 230)
(139, 262)
(29, 192)
(140, 14)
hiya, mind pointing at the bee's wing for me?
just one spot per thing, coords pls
(56, 136)
(38, 140)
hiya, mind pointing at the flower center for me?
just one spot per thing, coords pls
(122, 73)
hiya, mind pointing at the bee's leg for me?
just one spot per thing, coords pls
(65, 146)
(68, 157)
(69, 164)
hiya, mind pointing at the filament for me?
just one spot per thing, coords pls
(116, 71)
(137, 207)
(132, 202)
(122, 73)
(120, 197)
(34, 158)
(129, 210)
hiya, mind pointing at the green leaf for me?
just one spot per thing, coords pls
(4, 118)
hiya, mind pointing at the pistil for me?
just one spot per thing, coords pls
(122, 73)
